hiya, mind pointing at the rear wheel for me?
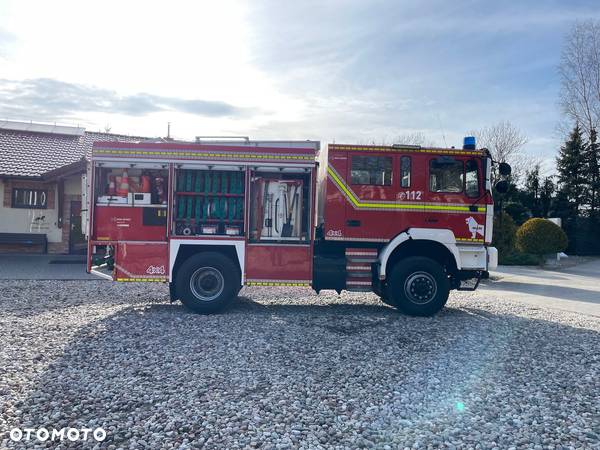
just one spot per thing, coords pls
(418, 286)
(207, 282)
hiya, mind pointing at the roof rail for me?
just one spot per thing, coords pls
(415, 147)
(200, 138)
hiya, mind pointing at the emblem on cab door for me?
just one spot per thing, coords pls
(474, 227)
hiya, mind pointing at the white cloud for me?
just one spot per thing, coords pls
(344, 70)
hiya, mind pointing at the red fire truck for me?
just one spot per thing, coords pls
(210, 217)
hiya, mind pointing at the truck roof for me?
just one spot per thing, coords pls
(245, 152)
(400, 148)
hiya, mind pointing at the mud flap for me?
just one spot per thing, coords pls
(467, 284)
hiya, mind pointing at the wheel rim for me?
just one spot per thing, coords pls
(420, 288)
(207, 283)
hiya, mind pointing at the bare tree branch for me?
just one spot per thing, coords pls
(579, 71)
(505, 143)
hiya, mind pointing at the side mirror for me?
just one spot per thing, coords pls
(504, 169)
(502, 186)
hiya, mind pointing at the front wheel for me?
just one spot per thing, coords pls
(207, 282)
(418, 286)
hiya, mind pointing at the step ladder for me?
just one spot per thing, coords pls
(358, 269)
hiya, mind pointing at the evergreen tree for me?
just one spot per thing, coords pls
(546, 196)
(571, 170)
(531, 192)
(591, 173)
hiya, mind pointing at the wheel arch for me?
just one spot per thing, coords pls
(181, 250)
(439, 245)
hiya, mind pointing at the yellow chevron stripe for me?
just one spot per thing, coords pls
(360, 204)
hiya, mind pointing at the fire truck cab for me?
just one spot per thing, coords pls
(210, 217)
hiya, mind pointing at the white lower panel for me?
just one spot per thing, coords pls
(473, 257)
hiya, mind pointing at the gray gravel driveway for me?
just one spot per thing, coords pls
(285, 368)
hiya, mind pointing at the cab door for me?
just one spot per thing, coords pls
(455, 199)
(370, 209)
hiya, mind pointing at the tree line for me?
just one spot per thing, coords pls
(573, 193)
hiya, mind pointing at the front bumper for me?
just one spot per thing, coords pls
(478, 257)
(492, 258)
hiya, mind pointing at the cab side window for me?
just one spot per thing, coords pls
(372, 170)
(472, 178)
(405, 171)
(445, 175)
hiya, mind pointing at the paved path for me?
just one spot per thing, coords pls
(574, 289)
(43, 267)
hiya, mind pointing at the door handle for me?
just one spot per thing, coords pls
(431, 220)
(353, 223)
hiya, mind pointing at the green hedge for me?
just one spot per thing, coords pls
(504, 234)
(519, 259)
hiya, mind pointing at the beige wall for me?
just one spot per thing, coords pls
(18, 220)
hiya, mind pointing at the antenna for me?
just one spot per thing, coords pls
(442, 130)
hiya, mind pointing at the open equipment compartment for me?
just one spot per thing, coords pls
(208, 202)
(279, 206)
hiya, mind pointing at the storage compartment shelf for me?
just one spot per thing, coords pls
(210, 194)
(192, 220)
(135, 205)
(208, 199)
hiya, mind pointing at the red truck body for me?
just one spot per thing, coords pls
(280, 218)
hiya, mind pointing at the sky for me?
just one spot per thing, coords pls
(336, 71)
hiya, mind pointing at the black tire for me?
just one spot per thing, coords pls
(418, 286)
(385, 298)
(207, 282)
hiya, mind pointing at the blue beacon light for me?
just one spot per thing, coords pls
(469, 143)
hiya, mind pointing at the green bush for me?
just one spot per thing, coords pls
(541, 237)
(503, 237)
(517, 258)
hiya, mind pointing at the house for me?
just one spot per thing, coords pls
(41, 172)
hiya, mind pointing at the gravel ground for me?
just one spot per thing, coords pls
(285, 368)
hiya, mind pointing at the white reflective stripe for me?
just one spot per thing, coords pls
(489, 224)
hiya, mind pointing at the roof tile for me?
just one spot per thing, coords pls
(31, 154)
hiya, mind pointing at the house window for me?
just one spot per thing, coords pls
(405, 171)
(445, 175)
(373, 170)
(29, 198)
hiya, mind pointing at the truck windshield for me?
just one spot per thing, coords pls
(445, 176)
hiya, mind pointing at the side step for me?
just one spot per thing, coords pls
(358, 269)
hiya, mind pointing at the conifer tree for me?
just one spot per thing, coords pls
(571, 169)
(591, 173)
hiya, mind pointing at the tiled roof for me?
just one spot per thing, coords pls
(31, 154)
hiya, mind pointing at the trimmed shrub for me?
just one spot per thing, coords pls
(541, 237)
(504, 235)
